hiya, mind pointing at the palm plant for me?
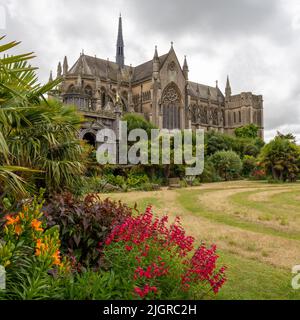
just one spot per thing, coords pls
(38, 137)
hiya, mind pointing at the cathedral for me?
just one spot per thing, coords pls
(158, 89)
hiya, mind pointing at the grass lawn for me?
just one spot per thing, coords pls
(255, 225)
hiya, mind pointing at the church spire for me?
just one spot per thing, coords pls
(228, 88)
(120, 45)
(65, 66)
(156, 64)
(59, 70)
(50, 77)
(185, 69)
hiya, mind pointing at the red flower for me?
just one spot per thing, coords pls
(160, 245)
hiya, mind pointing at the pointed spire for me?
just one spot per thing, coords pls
(155, 64)
(217, 84)
(155, 54)
(65, 66)
(130, 72)
(172, 44)
(228, 88)
(198, 92)
(208, 92)
(185, 69)
(107, 69)
(120, 45)
(51, 77)
(59, 70)
(185, 65)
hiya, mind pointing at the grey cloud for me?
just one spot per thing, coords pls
(220, 19)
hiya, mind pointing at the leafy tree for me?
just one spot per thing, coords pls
(38, 138)
(215, 141)
(248, 131)
(281, 159)
(135, 121)
(249, 164)
(227, 163)
(288, 136)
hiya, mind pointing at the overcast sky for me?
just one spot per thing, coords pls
(256, 42)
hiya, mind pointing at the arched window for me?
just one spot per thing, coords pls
(171, 99)
(88, 91)
(71, 89)
(240, 116)
(234, 117)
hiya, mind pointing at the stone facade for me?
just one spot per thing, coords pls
(158, 89)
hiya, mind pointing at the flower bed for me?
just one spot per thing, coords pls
(160, 261)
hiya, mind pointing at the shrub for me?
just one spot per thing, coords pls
(281, 159)
(159, 261)
(30, 254)
(209, 173)
(248, 131)
(215, 142)
(249, 164)
(84, 223)
(227, 163)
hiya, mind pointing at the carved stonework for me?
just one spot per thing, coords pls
(172, 66)
(215, 116)
(170, 94)
(203, 115)
(171, 107)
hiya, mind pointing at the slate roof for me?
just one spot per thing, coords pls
(203, 91)
(144, 71)
(94, 66)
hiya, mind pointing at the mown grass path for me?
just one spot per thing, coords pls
(255, 225)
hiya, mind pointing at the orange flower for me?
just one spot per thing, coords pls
(39, 243)
(18, 229)
(56, 257)
(11, 220)
(39, 247)
(36, 225)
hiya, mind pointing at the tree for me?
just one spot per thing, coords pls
(135, 121)
(281, 159)
(248, 131)
(38, 138)
(215, 141)
(227, 163)
(249, 164)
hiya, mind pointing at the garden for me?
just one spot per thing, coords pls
(72, 229)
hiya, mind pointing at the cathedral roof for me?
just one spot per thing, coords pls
(204, 92)
(144, 71)
(92, 66)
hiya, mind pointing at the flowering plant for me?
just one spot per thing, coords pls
(28, 252)
(160, 261)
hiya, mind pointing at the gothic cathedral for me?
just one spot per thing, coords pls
(158, 89)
